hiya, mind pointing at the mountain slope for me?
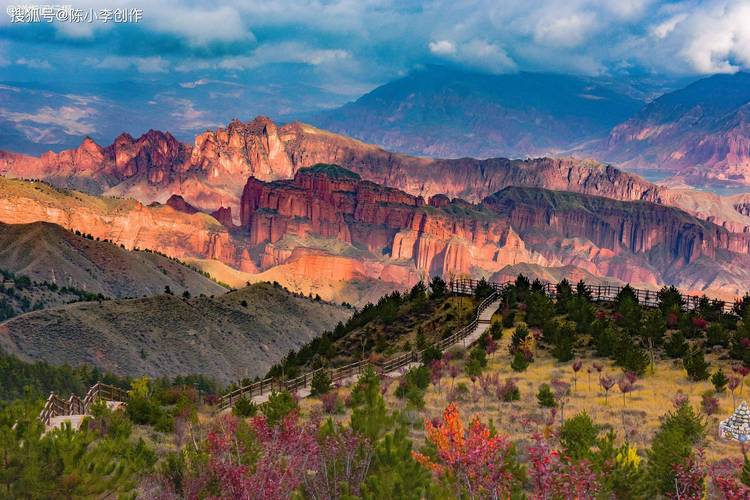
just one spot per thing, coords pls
(238, 334)
(447, 113)
(47, 252)
(700, 134)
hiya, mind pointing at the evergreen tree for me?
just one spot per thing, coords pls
(695, 364)
(719, 380)
(522, 287)
(676, 346)
(563, 296)
(545, 397)
(539, 308)
(564, 341)
(438, 287)
(583, 291)
(669, 298)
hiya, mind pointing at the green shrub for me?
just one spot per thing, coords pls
(509, 318)
(477, 362)
(539, 309)
(321, 383)
(654, 327)
(496, 330)
(144, 410)
(716, 334)
(545, 397)
(695, 364)
(719, 380)
(578, 435)
(432, 353)
(245, 408)
(519, 336)
(418, 376)
(669, 299)
(676, 346)
(519, 363)
(672, 445)
(605, 340)
(564, 341)
(278, 406)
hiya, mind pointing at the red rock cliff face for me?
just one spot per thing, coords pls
(629, 241)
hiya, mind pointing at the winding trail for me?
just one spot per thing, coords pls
(482, 324)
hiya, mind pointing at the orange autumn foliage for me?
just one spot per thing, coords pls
(477, 461)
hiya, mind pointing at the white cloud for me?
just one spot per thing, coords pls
(288, 52)
(442, 47)
(663, 29)
(478, 54)
(153, 64)
(73, 120)
(34, 63)
(187, 117)
(717, 40)
(199, 26)
(566, 31)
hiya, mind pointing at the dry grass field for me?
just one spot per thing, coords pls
(634, 417)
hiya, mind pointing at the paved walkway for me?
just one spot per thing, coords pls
(482, 326)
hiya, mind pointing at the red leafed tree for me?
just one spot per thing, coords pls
(479, 464)
(554, 477)
(268, 465)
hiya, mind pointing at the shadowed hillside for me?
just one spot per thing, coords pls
(239, 334)
(47, 252)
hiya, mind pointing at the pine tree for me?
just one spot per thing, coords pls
(695, 364)
(719, 380)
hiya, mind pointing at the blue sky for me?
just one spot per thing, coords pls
(286, 56)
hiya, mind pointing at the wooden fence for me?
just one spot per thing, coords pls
(354, 369)
(56, 407)
(599, 293)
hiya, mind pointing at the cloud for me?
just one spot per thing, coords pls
(34, 63)
(665, 28)
(357, 44)
(154, 64)
(187, 116)
(288, 52)
(199, 26)
(566, 31)
(73, 120)
(442, 47)
(476, 54)
(718, 38)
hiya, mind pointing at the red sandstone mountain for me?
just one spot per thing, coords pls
(630, 241)
(328, 230)
(699, 134)
(212, 173)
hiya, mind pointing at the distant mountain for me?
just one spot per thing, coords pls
(699, 134)
(49, 253)
(234, 335)
(447, 113)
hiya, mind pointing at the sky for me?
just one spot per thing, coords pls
(183, 59)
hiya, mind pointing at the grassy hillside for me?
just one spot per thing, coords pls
(398, 322)
(235, 335)
(49, 253)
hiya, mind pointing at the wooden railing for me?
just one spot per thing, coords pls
(56, 407)
(599, 293)
(344, 372)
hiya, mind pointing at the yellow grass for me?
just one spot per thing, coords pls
(641, 412)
